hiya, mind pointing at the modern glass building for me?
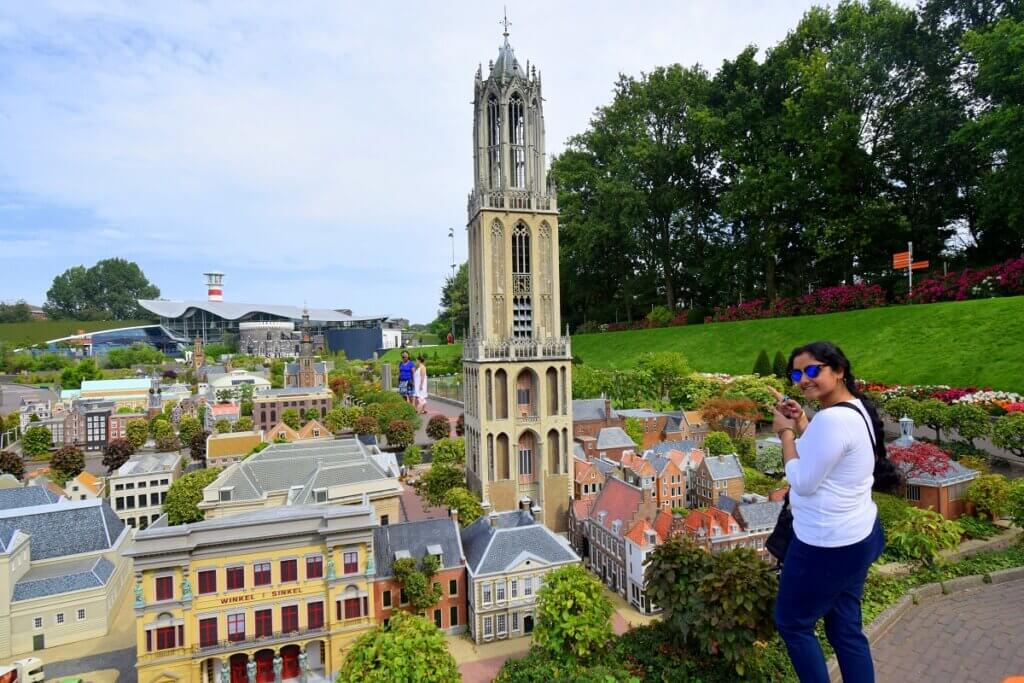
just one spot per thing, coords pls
(102, 342)
(210, 320)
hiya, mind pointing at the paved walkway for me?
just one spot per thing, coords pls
(975, 636)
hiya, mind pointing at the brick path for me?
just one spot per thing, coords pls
(972, 636)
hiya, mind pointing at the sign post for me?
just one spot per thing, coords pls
(905, 259)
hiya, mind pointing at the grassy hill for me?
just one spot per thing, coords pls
(37, 332)
(958, 343)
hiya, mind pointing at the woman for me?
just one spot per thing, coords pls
(830, 465)
(405, 369)
(420, 383)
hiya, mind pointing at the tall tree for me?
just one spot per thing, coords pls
(454, 313)
(108, 290)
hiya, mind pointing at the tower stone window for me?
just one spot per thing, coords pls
(494, 142)
(517, 140)
(522, 286)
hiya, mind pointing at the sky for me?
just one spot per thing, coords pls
(314, 152)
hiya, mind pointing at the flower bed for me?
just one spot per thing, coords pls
(1002, 279)
(825, 300)
(995, 402)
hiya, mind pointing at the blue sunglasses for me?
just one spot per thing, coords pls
(811, 371)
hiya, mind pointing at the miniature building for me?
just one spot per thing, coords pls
(139, 487)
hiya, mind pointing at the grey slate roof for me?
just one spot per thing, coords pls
(759, 515)
(149, 463)
(724, 467)
(727, 504)
(604, 466)
(25, 496)
(955, 473)
(63, 577)
(589, 409)
(415, 537)
(665, 446)
(578, 452)
(657, 462)
(642, 413)
(614, 437)
(674, 422)
(292, 391)
(66, 528)
(493, 549)
(309, 464)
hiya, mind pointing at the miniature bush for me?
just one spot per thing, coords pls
(291, 417)
(1008, 433)
(921, 534)
(573, 614)
(408, 648)
(117, 453)
(976, 528)
(762, 366)
(137, 431)
(1015, 503)
(465, 501)
(990, 494)
(35, 442)
(891, 509)
(448, 451)
(438, 427)
(412, 456)
(222, 426)
(243, 424)
(67, 462)
(718, 443)
(365, 425)
(11, 463)
(399, 433)
(769, 460)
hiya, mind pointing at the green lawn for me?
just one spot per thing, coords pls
(27, 334)
(958, 343)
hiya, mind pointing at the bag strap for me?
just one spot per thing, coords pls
(871, 430)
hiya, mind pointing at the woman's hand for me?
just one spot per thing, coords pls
(782, 421)
(791, 409)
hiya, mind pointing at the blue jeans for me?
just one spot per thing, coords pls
(827, 582)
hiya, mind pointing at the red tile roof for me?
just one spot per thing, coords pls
(619, 500)
(778, 494)
(638, 533)
(580, 508)
(581, 469)
(663, 523)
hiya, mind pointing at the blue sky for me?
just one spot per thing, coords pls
(314, 151)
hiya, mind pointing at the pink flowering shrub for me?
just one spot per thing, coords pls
(920, 458)
(1014, 407)
(1002, 279)
(824, 300)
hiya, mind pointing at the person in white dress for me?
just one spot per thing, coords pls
(420, 384)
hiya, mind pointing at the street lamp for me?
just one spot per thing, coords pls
(451, 233)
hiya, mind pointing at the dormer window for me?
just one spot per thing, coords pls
(225, 493)
(320, 495)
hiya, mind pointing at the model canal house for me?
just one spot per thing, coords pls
(517, 366)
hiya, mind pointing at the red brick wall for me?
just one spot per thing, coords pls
(444, 604)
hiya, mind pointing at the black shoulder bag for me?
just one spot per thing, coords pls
(782, 535)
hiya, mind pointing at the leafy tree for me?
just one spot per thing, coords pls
(1015, 503)
(769, 460)
(18, 312)
(1008, 433)
(409, 649)
(666, 368)
(72, 377)
(117, 453)
(466, 502)
(716, 604)
(311, 414)
(188, 427)
(438, 427)
(412, 456)
(779, 365)
(573, 614)
(762, 366)
(971, 421)
(693, 391)
(634, 428)
(399, 433)
(718, 443)
(990, 494)
(137, 431)
(365, 425)
(11, 463)
(448, 451)
(197, 446)
(746, 449)
(68, 462)
(438, 480)
(36, 441)
(291, 417)
(933, 413)
(222, 426)
(109, 290)
(899, 407)
(182, 502)
(136, 354)
(419, 587)
(243, 424)
(161, 428)
(454, 311)
(335, 419)
(167, 444)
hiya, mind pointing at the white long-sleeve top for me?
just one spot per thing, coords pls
(830, 483)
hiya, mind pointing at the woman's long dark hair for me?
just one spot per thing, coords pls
(887, 477)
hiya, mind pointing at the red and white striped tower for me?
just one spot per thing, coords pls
(214, 286)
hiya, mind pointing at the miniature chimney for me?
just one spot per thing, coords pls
(453, 514)
(607, 412)
(493, 518)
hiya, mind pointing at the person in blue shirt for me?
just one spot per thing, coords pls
(405, 385)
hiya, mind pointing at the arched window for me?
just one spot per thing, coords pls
(517, 140)
(522, 285)
(520, 249)
(527, 448)
(494, 141)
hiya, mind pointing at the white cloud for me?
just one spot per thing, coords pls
(327, 143)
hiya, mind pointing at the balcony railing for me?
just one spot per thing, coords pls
(517, 349)
(512, 200)
(251, 639)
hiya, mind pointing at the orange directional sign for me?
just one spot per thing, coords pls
(918, 265)
(901, 260)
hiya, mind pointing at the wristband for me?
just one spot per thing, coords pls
(785, 429)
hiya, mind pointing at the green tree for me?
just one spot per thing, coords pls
(335, 420)
(573, 614)
(438, 427)
(188, 427)
(899, 407)
(634, 428)
(448, 451)
(779, 365)
(365, 425)
(108, 290)
(399, 434)
(409, 649)
(762, 366)
(291, 417)
(72, 377)
(243, 424)
(454, 311)
(311, 414)
(971, 422)
(182, 502)
(18, 312)
(11, 463)
(161, 428)
(136, 354)
(197, 446)
(438, 480)
(692, 392)
(1015, 503)
(412, 456)
(933, 413)
(466, 502)
(36, 441)
(1008, 433)
(67, 462)
(666, 368)
(117, 453)
(418, 584)
(137, 431)
(990, 494)
(222, 426)
(718, 443)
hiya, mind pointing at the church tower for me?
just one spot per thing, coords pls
(307, 371)
(517, 367)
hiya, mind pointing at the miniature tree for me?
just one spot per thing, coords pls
(182, 502)
(291, 417)
(718, 443)
(137, 431)
(399, 433)
(438, 427)
(465, 501)
(779, 365)
(971, 422)
(36, 441)
(1008, 433)
(412, 456)
(242, 424)
(222, 426)
(409, 648)
(197, 446)
(67, 462)
(117, 453)
(762, 366)
(573, 614)
(11, 463)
